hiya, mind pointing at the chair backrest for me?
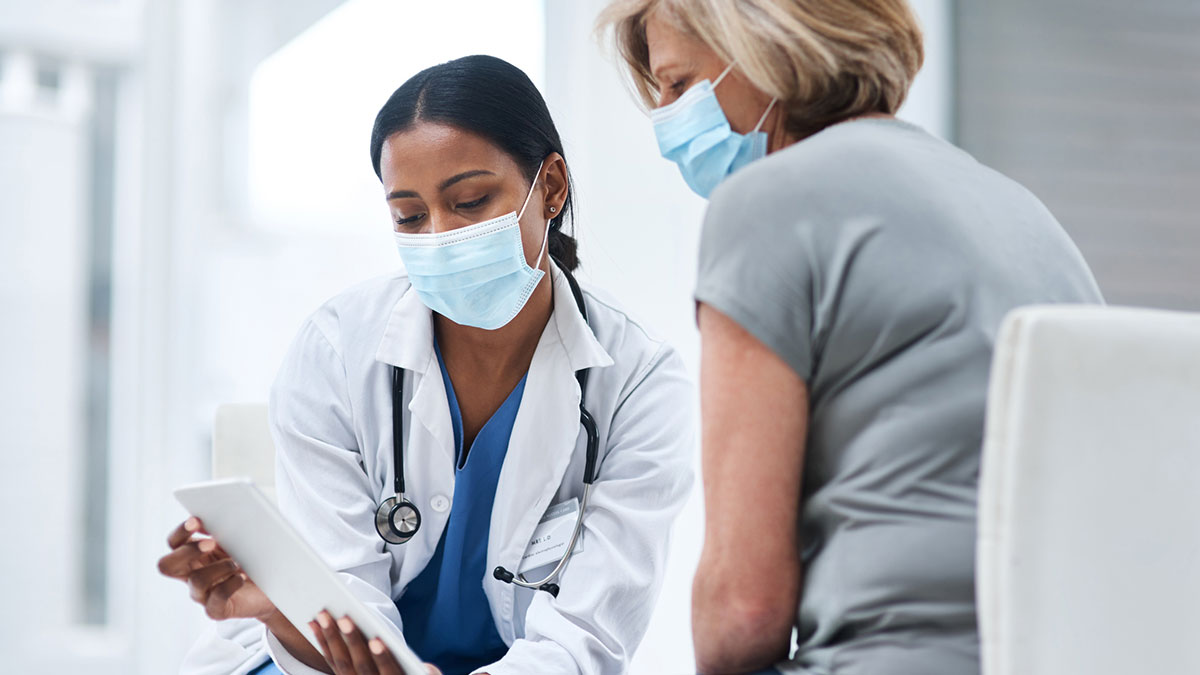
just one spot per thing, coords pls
(1089, 501)
(242, 445)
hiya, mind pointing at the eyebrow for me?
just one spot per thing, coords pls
(409, 194)
(669, 64)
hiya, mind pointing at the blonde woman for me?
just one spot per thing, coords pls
(853, 273)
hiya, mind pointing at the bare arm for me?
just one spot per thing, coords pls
(755, 418)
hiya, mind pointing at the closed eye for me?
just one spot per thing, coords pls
(410, 220)
(473, 205)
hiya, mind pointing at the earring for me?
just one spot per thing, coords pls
(553, 209)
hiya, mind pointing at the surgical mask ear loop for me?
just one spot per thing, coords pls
(531, 187)
(764, 115)
(546, 235)
(764, 119)
(766, 112)
(723, 74)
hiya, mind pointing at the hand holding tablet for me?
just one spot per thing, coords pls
(252, 541)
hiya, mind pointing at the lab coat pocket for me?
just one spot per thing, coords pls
(551, 540)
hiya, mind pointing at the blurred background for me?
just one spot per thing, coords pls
(183, 181)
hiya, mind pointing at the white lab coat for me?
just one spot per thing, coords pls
(331, 410)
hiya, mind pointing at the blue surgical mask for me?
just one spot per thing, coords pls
(476, 275)
(694, 133)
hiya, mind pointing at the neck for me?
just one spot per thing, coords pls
(781, 137)
(504, 352)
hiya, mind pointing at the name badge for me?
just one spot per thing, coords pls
(551, 536)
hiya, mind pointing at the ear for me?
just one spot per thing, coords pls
(556, 183)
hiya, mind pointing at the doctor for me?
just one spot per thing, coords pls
(480, 347)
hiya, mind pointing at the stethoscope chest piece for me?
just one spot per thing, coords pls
(397, 520)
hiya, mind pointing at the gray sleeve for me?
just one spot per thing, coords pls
(759, 269)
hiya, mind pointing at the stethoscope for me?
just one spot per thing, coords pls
(397, 519)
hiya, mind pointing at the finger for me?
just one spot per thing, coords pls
(213, 548)
(199, 581)
(364, 664)
(433, 670)
(192, 556)
(216, 604)
(184, 560)
(180, 535)
(338, 656)
(385, 663)
(320, 635)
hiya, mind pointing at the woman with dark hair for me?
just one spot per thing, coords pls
(442, 435)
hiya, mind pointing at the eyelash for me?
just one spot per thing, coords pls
(677, 86)
(473, 205)
(465, 206)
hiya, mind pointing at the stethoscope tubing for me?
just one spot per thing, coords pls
(385, 525)
(520, 580)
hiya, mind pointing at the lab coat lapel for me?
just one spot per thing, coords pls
(408, 343)
(546, 434)
(429, 437)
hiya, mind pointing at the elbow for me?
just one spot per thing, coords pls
(737, 629)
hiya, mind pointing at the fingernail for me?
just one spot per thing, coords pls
(207, 546)
(346, 624)
(376, 646)
(323, 619)
(191, 524)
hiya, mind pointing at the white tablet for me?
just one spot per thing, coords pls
(253, 531)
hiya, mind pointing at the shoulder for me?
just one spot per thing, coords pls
(861, 166)
(356, 315)
(637, 352)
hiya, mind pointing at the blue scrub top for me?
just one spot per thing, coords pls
(447, 620)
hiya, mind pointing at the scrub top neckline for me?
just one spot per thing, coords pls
(513, 398)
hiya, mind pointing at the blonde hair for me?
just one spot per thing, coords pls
(825, 60)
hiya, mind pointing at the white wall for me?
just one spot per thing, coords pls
(43, 299)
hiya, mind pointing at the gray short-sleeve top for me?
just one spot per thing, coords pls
(878, 262)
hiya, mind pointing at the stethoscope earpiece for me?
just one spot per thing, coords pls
(397, 520)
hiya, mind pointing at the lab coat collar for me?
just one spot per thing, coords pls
(567, 340)
(578, 339)
(408, 336)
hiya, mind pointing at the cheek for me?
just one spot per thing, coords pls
(533, 230)
(742, 106)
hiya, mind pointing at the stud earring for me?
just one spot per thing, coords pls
(553, 209)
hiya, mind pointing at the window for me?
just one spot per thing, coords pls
(312, 103)
(48, 79)
(94, 608)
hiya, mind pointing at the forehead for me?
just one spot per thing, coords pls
(430, 151)
(669, 46)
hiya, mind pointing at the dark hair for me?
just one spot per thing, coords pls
(494, 99)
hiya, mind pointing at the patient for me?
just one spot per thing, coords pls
(853, 273)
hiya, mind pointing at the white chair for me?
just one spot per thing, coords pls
(1089, 500)
(242, 445)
